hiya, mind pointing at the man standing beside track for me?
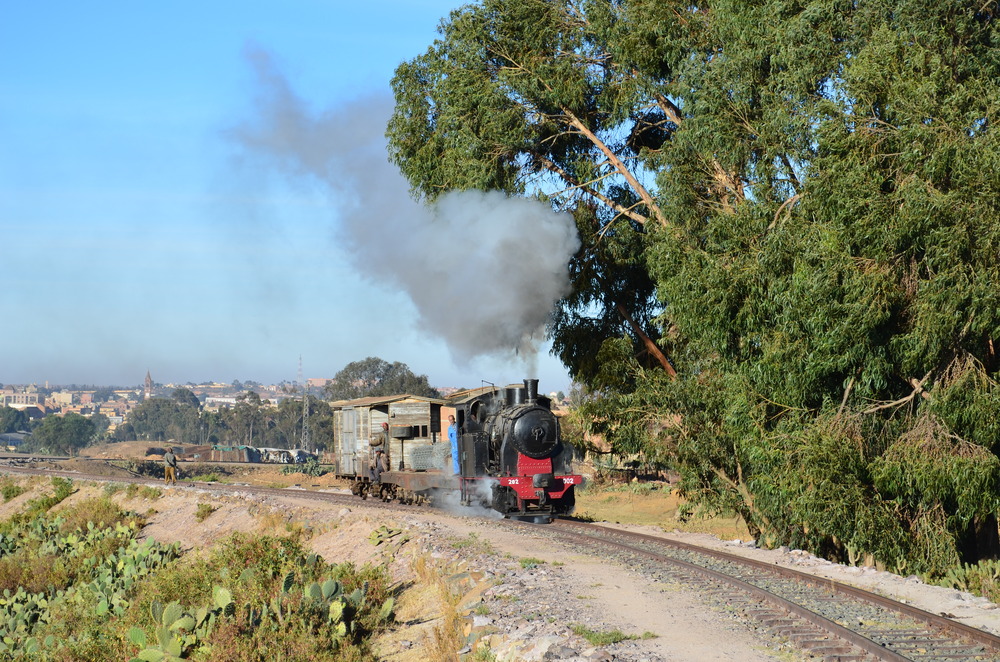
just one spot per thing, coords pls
(170, 467)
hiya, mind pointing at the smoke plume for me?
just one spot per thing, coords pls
(483, 270)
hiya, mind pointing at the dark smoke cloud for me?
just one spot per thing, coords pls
(483, 270)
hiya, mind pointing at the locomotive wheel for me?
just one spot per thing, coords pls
(567, 504)
(504, 499)
(387, 492)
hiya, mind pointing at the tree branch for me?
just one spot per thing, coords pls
(918, 389)
(617, 164)
(648, 342)
(622, 211)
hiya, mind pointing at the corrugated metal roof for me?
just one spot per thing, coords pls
(468, 394)
(375, 400)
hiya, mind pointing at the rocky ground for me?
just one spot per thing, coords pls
(471, 585)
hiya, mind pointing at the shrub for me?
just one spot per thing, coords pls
(11, 490)
(600, 638)
(982, 579)
(100, 511)
(310, 467)
(204, 510)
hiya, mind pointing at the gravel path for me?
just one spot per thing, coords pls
(543, 590)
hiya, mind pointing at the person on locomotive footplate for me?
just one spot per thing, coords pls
(379, 464)
(453, 440)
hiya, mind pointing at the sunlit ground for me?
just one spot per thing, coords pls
(654, 505)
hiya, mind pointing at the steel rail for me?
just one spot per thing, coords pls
(563, 527)
(941, 622)
(831, 628)
(980, 637)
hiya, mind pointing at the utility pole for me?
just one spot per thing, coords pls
(304, 445)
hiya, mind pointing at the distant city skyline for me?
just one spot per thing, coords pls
(143, 232)
(219, 383)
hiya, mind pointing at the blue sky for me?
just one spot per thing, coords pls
(137, 234)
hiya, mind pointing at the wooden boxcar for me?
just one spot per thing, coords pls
(408, 427)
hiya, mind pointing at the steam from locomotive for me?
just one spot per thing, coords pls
(463, 239)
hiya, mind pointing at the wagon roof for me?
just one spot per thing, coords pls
(375, 400)
(468, 394)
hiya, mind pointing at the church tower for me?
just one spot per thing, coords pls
(149, 387)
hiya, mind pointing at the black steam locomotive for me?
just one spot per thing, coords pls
(511, 457)
(509, 442)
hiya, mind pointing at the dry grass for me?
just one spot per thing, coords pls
(447, 635)
(656, 506)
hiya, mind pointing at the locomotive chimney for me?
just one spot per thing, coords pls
(531, 385)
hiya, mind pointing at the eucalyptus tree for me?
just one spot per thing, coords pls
(529, 98)
(788, 279)
(374, 376)
(186, 396)
(59, 435)
(838, 321)
(287, 429)
(162, 419)
(13, 420)
(247, 421)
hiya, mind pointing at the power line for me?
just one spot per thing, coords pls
(306, 441)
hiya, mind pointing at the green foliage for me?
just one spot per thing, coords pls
(797, 203)
(285, 426)
(531, 98)
(252, 421)
(101, 511)
(61, 435)
(982, 579)
(76, 588)
(149, 493)
(62, 488)
(269, 598)
(212, 477)
(185, 396)
(112, 488)
(310, 467)
(929, 468)
(51, 567)
(374, 376)
(203, 511)
(160, 419)
(600, 638)
(13, 420)
(11, 490)
(483, 653)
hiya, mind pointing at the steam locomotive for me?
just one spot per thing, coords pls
(511, 458)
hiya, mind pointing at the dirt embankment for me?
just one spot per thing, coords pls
(587, 590)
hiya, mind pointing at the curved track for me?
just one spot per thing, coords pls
(829, 620)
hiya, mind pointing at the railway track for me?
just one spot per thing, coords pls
(826, 619)
(337, 498)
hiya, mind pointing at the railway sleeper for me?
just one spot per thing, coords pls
(826, 648)
(797, 632)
